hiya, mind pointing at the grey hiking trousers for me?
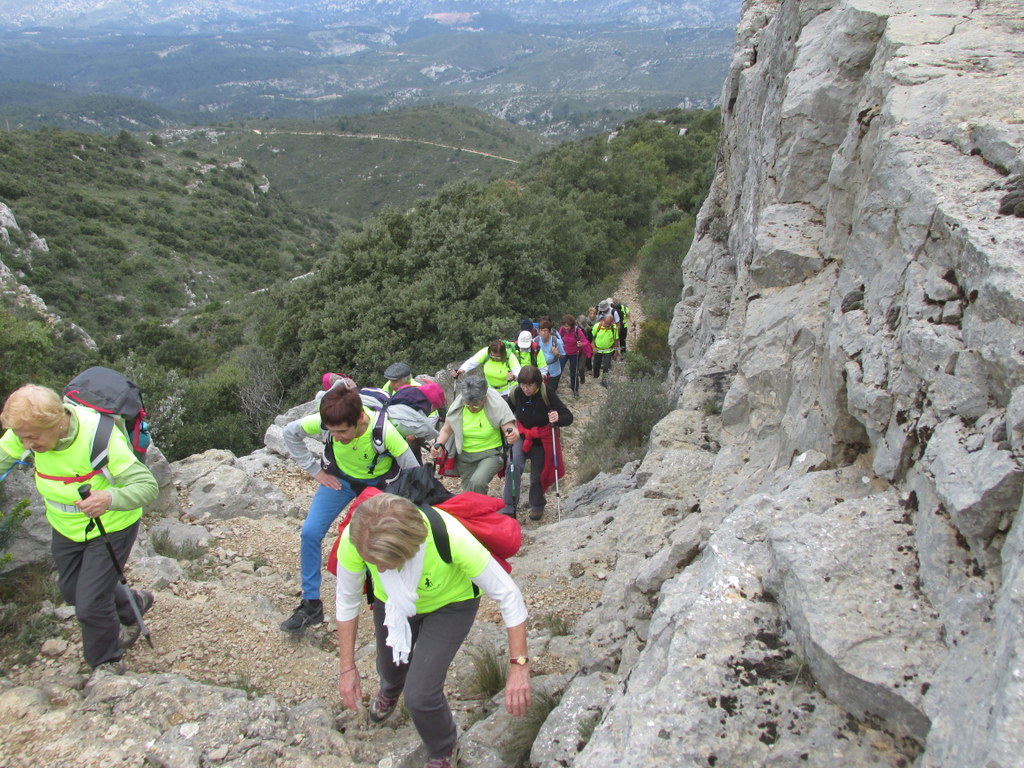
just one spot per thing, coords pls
(436, 638)
(88, 580)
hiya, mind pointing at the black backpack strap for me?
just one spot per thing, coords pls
(100, 454)
(440, 532)
(377, 438)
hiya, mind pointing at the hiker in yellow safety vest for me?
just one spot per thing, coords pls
(499, 366)
(60, 435)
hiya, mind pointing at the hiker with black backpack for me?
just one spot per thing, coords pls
(539, 413)
(498, 362)
(424, 605)
(577, 348)
(622, 311)
(357, 454)
(93, 530)
(586, 323)
(477, 430)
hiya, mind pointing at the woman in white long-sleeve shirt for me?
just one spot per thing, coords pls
(423, 609)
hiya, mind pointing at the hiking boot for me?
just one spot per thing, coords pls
(145, 601)
(509, 512)
(130, 633)
(115, 667)
(451, 760)
(382, 706)
(604, 382)
(308, 612)
(536, 513)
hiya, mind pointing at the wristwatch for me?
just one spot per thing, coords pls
(522, 661)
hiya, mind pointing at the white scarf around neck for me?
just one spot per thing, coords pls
(401, 584)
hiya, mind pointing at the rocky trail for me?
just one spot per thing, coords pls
(219, 625)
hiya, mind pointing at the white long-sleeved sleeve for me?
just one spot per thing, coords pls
(500, 587)
(349, 596)
(472, 362)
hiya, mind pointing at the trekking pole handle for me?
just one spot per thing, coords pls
(85, 491)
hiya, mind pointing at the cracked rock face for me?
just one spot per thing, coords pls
(854, 302)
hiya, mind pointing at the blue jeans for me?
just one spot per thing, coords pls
(327, 504)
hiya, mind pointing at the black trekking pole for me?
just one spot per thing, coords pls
(85, 491)
(510, 472)
(554, 457)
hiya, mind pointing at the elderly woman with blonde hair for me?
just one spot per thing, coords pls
(60, 436)
(424, 606)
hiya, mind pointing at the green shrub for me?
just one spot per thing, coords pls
(489, 673)
(187, 550)
(652, 343)
(515, 749)
(10, 524)
(620, 431)
(22, 627)
(557, 624)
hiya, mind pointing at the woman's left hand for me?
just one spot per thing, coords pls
(517, 690)
(553, 417)
(95, 504)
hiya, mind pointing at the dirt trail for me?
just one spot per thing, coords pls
(220, 623)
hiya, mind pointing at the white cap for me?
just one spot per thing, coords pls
(525, 340)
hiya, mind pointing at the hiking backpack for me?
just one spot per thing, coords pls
(514, 350)
(119, 402)
(500, 533)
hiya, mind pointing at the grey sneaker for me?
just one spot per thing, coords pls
(308, 612)
(145, 601)
(382, 706)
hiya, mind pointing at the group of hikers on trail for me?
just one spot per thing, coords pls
(420, 552)
(587, 342)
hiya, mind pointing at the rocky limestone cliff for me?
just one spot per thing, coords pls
(819, 561)
(849, 361)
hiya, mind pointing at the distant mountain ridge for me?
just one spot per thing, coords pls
(202, 64)
(16, 14)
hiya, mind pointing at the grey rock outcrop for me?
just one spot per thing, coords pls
(216, 485)
(183, 723)
(854, 303)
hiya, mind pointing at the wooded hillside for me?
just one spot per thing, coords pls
(429, 285)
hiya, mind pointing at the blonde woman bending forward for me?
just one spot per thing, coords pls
(423, 609)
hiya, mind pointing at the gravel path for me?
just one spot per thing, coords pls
(220, 624)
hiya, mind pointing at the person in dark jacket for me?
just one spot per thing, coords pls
(538, 412)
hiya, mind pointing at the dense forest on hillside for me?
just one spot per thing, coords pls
(427, 285)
